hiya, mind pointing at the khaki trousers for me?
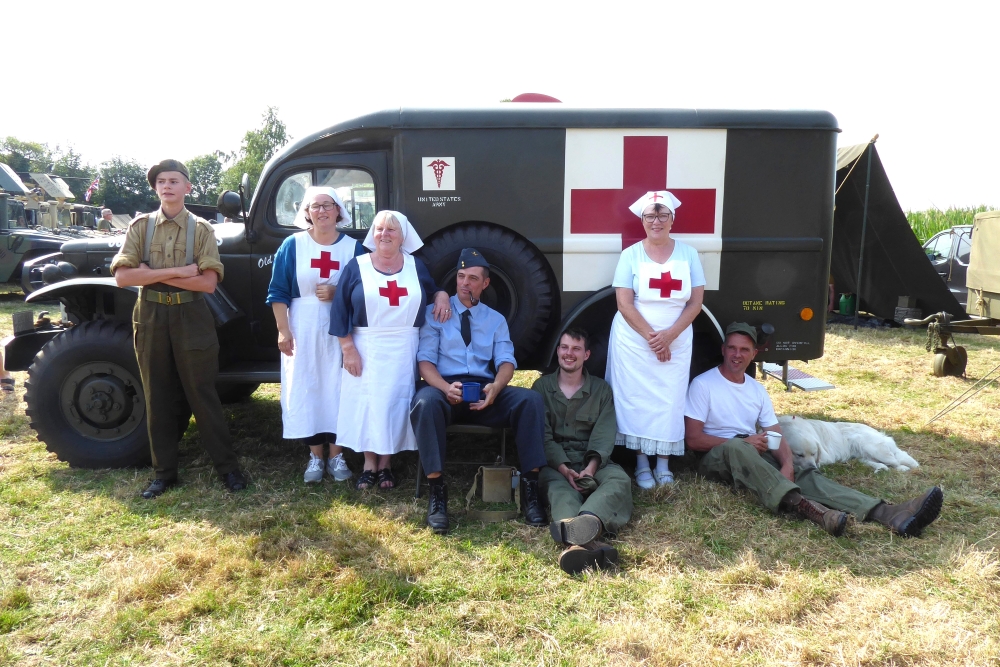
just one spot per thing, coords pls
(178, 353)
(738, 462)
(611, 501)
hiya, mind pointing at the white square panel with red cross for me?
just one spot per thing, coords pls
(609, 169)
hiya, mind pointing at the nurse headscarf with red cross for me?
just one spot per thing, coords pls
(661, 197)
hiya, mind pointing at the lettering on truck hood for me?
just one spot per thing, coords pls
(609, 169)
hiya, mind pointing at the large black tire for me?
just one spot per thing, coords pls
(522, 287)
(85, 398)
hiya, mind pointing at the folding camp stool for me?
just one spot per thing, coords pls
(469, 429)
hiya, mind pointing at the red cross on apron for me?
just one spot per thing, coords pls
(392, 292)
(666, 284)
(324, 264)
(644, 169)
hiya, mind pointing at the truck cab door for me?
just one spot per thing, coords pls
(360, 179)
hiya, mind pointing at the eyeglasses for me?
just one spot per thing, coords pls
(662, 217)
(329, 206)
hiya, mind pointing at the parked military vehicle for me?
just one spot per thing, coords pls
(949, 253)
(542, 191)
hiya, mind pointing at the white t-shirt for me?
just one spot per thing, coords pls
(627, 271)
(726, 408)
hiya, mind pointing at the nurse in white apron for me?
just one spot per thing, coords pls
(659, 284)
(304, 278)
(377, 313)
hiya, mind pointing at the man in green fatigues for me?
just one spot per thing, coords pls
(724, 408)
(587, 493)
(172, 255)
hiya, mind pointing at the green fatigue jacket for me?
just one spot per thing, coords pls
(579, 428)
(169, 244)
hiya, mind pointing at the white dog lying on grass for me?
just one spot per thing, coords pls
(815, 443)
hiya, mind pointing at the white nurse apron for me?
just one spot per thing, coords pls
(310, 378)
(649, 394)
(375, 408)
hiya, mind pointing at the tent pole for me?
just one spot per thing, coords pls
(864, 227)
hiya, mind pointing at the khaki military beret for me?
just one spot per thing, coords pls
(166, 165)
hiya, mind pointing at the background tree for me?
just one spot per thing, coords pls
(124, 188)
(31, 157)
(257, 148)
(206, 177)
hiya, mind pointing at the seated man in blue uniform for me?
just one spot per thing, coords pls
(458, 351)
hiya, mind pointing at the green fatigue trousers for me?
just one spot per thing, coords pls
(738, 462)
(611, 501)
(178, 353)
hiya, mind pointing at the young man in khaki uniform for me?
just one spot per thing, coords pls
(587, 493)
(175, 339)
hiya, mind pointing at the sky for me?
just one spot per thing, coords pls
(181, 79)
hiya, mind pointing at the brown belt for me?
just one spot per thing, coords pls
(170, 298)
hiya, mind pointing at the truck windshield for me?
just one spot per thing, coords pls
(355, 187)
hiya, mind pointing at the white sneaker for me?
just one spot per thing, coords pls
(337, 468)
(314, 473)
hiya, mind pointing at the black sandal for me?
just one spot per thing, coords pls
(366, 481)
(385, 475)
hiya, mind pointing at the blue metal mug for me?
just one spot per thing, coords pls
(471, 392)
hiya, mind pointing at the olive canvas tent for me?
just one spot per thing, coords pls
(893, 263)
(983, 279)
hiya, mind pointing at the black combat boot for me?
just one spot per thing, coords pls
(437, 506)
(910, 518)
(531, 504)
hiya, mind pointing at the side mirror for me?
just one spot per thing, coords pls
(230, 204)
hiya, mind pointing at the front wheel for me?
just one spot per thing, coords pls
(85, 400)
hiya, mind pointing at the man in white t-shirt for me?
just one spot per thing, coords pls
(726, 416)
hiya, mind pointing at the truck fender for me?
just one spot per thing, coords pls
(73, 287)
(595, 313)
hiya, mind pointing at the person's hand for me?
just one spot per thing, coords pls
(591, 468)
(442, 307)
(570, 475)
(352, 362)
(491, 392)
(788, 471)
(325, 292)
(659, 343)
(454, 393)
(759, 441)
(189, 271)
(286, 343)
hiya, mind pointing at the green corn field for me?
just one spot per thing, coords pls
(926, 224)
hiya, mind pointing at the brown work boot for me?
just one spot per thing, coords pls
(579, 529)
(593, 555)
(832, 521)
(910, 518)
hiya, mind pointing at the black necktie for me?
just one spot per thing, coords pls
(467, 327)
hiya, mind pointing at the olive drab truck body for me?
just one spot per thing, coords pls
(543, 192)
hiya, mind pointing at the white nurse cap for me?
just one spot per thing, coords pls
(657, 197)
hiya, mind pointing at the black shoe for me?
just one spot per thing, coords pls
(157, 487)
(576, 530)
(234, 481)
(531, 504)
(437, 508)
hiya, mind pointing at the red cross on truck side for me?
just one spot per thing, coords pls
(392, 292)
(324, 264)
(644, 169)
(666, 284)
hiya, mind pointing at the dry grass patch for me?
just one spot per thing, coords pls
(293, 575)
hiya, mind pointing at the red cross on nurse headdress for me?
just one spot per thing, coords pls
(657, 197)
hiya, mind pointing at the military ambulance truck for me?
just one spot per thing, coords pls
(542, 190)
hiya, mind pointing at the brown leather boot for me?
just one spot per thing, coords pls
(910, 518)
(832, 521)
(592, 555)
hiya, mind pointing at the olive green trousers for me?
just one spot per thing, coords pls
(738, 462)
(611, 501)
(178, 353)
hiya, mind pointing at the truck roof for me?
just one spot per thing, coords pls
(513, 115)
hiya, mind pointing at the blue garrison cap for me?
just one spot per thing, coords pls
(471, 257)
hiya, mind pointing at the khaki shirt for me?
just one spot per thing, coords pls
(169, 245)
(578, 428)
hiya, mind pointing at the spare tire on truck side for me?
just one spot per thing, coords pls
(522, 287)
(85, 400)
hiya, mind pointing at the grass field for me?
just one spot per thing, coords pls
(927, 223)
(287, 575)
